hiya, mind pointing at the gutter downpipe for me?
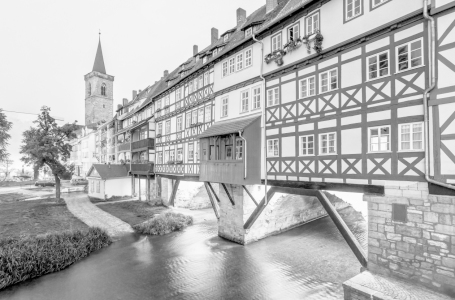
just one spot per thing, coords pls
(433, 79)
(246, 152)
(263, 119)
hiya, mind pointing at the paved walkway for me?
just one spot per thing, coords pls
(81, 207)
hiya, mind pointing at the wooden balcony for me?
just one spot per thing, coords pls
(146, 143)
(143, 168)
(226, 171)
(123, 147)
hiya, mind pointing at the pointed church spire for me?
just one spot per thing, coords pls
(98, 66)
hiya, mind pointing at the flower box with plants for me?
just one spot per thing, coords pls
(159, 135)
(170, 162)
(178, 162)
(276, 56)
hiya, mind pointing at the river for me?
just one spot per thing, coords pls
(308, 262)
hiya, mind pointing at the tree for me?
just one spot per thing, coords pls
(47, 145)
(5, 126)
(5, 168)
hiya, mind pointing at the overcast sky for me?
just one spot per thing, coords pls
(46, 48)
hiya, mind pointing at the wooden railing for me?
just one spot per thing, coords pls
(149, 143)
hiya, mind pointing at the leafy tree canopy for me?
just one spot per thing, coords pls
(5, 126)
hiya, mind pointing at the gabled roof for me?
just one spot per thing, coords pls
(98, 65)
(108, 171)
(227, 127)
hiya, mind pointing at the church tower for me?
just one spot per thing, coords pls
(99, 94)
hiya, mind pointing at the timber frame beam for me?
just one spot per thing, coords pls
(249, 194)
(328, 206)
(228, 194)
(214, 205)
(175, 186)
(213, 191)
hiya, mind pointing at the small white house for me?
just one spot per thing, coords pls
(106, 181)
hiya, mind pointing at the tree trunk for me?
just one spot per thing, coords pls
(35, 172)
(57, 187)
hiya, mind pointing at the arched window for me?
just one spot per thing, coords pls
(103, 89)
(89, 91)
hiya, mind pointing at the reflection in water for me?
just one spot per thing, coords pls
(308, 262)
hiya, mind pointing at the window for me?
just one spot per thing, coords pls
(307, 145)
(248, 32)
(178, 95)
(168, 126)
(201, 81)
(166, 156)
(103, 89)
(228, 152)
(272, 148)
(98, 186)
(293, 32)
(327, 142)
(225, 71)
(378, 65)
(239, 61)
(312, 24)
(307, 87)
(353, 9)
(160, 128)
(377, 3)
(224, 107)
(248, 58)
(179, 123)
(167, 98)
(208, 113)
(276, 42)
(411, 136)
(239, 149)
(244, 99)
(195, 85)
(197, 151)
(200, 118)
(160, 157)
(232, 65)
(172, 155)
(225, 38)
(399, 212)
(206, 78)
(91, 186)
(158, 104)
(256, 97)
(190, 151)
(194, 117)
(180, 154)
(379, 138)
(273, 97)
(188, 119)
(409, 55)
(329, 81)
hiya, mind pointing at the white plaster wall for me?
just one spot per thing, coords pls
(94, 194)
(439, 3)
(118, 187)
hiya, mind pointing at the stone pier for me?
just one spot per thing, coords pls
(283, 212)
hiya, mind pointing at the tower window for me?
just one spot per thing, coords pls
(104, 106)
(103, 89)
(89, 92)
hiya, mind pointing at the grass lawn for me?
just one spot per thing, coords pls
(114, 198)
(20, 218)
(16, 183)
(132, 212)
(13, 197)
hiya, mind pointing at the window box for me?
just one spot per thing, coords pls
(178, 162)
(170, 162)
(159, 135)
(276, 56)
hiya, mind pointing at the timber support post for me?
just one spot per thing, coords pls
(139, 192)
(175, 186)
(343, 228)
(213, 191)
(215, 209)
(249, 194)
(228, 194)
(259, 209)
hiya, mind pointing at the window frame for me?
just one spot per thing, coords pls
(250, 59)
(411, 140)
(367, 63)
(253, 97)
(328, 146)
(293, 26)
(239, 145)
(280, 46)
(307, 32)
(276, 99)
(345, 7)
(306, 79)
(301, 145)
(373, 7)
(248, 32)
(223, 105)
(208, 113)
(239, 61)
(379, 136)
(233, 65)
(328, 82)
(191, 151)
(223, 73)
(247, 106)
(277, 146)
(408, 44)
(168, 126)
(179, 124)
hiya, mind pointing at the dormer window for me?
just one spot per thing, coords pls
(226, 37)
(248, 32)
(215, 51)
(103, 89)
(204, 59)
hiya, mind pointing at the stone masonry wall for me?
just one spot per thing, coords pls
(423, 248)
(283, 212)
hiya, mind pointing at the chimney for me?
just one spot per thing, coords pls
(213, 36)
(270, 5)
(119, 106)
(125, 101)
(165, 73)
(134, 94)
(241, 16)
(195, 51)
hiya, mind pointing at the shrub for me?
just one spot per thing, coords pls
(30, 257)
(164, 223)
